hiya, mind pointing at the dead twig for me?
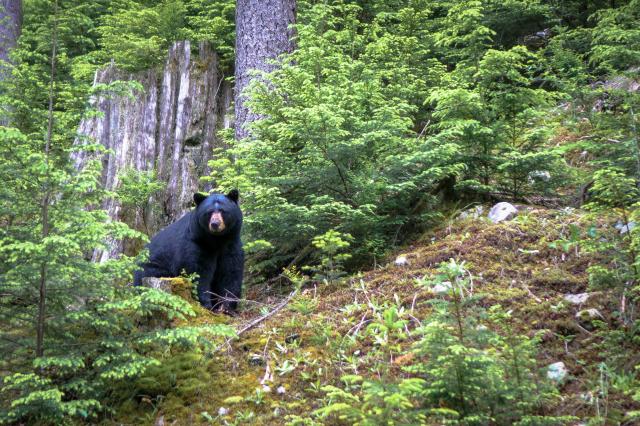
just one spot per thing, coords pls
(275, 310)
(533, 296)
(258, 320)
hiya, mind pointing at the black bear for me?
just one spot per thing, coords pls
(205, 241)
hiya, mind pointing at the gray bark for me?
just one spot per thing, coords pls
(171, 128)
(263, 33)
(10, 26)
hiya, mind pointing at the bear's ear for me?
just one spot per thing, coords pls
(233, 195)
(198, 198)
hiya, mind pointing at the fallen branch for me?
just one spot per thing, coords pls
(533, 296)
(258, 320)
(268, 314)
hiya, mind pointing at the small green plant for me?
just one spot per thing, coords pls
(331, 246)
(388, 323)
(366, 402)
(303, 304)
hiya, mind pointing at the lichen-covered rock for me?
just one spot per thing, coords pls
(474, 213)
(576, 299)
(170, 128)
(401, 261)
(502, 211)
(623, 228)
(587, 314)
(557, 371)
(442, 288)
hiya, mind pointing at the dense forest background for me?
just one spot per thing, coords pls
(376, 126)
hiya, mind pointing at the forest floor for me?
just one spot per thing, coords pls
(276, 369)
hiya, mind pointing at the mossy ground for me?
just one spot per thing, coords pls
(322, 334)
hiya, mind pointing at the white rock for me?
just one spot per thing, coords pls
(281, 390)
(266, 388)
(538, 176)
(401, 260)
(442, 288)
(502, 211)
(557, 371)
(588, 398)
(589, 314)
(576, 299)
(624, 228)
(223, 411)
(474, 212)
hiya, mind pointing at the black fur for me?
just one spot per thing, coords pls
(191, 245)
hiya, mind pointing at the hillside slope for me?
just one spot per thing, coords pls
(274, 372)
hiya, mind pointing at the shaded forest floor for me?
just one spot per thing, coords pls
(276, 369)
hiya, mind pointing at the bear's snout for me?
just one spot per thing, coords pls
(216, 222)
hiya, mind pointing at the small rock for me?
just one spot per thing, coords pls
(585, 318)
(160, 421)
(557, 371)
(292, 338)
(474, 213)
(587, 314)
(223, 411)
(281, 390)
(256, 360)
(401, 260)
(442, 288)
(538, 176)
(624, 228)
(576, 299)
(502, 211)
(586, 397)
(266, 388)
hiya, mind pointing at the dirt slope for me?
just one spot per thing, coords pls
(276, 369)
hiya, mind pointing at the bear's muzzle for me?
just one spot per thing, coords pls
(216, 222)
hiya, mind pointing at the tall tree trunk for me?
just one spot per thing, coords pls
(262, 34)
(10, 25)
(46, 199)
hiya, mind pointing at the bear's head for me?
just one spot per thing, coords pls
(218, 214)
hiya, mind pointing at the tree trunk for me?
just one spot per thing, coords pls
(171, 127)
(42, 298)
(10, 25)
(262, 34)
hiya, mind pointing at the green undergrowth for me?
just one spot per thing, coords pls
(348, 352)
